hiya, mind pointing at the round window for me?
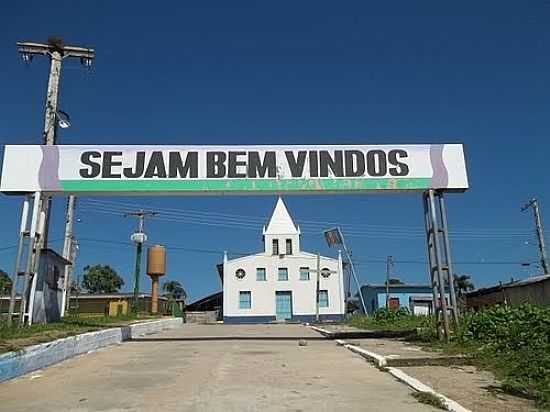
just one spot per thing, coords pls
(240, 273)
(325, 272)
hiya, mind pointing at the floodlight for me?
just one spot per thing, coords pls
(63, 119)
(26, 57)
(86, 61)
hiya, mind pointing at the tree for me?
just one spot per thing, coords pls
(463, 284)
(5, 283)
(101, 279)
(173, 289)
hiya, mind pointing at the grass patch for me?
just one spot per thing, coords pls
(513, 343)
(13, 338)
(392, 320)
(429, 399)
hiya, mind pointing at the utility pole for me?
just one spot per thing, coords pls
(139, 238)
(72, 258)
(67, 251)
(534, 204)
(317, 287)
(325, 273)
(389, 267)
(57, 51)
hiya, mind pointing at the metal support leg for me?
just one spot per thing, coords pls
(17, 268)
(439, 266)
(29, 268)
(447, 249)
(431, 263)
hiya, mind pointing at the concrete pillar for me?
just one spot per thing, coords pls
(154, 294)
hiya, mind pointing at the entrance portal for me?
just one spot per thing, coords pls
(283, 305)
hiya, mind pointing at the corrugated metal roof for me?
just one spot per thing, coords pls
(528, 281)
(516, 283)
(397, 286)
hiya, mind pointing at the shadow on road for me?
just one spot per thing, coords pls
(226, 338)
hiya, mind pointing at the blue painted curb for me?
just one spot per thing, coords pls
(14, 364)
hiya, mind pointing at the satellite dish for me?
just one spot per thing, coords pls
(63, 119)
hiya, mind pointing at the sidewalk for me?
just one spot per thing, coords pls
(451, 376)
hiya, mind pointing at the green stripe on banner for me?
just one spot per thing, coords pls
(246, 185)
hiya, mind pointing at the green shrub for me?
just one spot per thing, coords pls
(512, 342)
(391, 320)
(515, 342)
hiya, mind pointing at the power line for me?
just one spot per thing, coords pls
(3, 249)
(359, 261)
(260, 220)
(235, 253)
(179, 217)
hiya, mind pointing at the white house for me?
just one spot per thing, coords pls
(280, 283)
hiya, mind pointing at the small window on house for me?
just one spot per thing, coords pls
(275, 246)
(289, 246)
(245, 300)
(304, 273)
(260, 273)
(283, 274)
(323, 298)
(394, 303)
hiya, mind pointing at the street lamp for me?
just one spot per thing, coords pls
(63, 120)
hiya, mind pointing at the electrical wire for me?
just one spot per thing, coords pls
(240, 254)
(358, 261)
(217, 219)
(124, 206)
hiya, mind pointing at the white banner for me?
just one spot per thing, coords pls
(180, 170)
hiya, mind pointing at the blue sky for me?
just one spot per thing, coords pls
(309, 72)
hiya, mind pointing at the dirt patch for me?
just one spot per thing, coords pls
(474, 389)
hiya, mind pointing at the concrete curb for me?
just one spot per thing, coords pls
(361, 334)
(378, 360)
(14, 364)
(322, 331)
(418, 386)
(401, 376)
(381, 362)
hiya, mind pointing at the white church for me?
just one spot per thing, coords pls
(280, 283)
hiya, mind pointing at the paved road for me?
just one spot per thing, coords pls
(179, 371)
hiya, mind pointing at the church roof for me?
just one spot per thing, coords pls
(281, 223)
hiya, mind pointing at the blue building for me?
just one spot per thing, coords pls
(418, 299)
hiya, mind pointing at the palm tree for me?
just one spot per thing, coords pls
(463, 284)
(173, 289)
